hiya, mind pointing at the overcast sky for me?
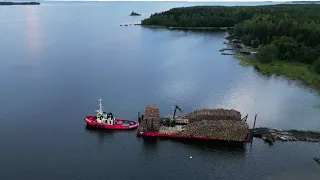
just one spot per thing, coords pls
(196, 0)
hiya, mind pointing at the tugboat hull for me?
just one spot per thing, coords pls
(119, 125)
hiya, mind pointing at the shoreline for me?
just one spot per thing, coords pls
(5, 3)
(291, 70)
(187, 28)
(293, 54)
(271, 135)
(245, 54)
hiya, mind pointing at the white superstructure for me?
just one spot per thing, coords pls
(103, 117)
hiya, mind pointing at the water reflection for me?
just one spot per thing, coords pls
(150, 144)
(277, 103)
(106, 132)
(178, 91)
(103, 134)
(34, 32)
(213, 146)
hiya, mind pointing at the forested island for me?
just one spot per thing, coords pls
(135, 14)
(286, 36)
(18, 3)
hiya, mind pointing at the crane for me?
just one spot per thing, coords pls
(175, 110)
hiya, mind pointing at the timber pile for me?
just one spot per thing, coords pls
(213, 114)
(151, 118)
(214, 123)
(181, 120)
(152, 112)
(170, 130)
(218, 129)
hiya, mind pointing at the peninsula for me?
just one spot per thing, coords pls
(286, 36)
(3, 3)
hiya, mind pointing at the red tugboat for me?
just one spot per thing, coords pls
(106, 120)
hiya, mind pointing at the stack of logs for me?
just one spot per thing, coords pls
(170, 130)
(216, 123)
(213, 114)
(151, 120)
(219, 129)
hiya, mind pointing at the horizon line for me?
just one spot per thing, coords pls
(190, 0)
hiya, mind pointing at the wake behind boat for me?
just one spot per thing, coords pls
(108, 121)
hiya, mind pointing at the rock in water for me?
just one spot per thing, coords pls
(317, 159)
(268, 139)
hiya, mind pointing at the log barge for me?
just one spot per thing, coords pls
(207, 125)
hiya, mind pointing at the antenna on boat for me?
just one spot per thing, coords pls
(100, 107)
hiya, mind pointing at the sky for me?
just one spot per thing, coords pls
(198, 0)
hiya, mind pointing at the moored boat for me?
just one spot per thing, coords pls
(106, 120)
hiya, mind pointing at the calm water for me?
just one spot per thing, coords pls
(57, 59)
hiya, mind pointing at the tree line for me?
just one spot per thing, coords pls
(286, 32)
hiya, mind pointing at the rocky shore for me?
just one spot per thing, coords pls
(237, 46)
(317, 159)
(271, 135)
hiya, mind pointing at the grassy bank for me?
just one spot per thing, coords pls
(291, 70)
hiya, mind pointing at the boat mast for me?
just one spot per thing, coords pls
(100, 107)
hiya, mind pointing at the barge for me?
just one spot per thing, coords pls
(195, 126)
(173, 136)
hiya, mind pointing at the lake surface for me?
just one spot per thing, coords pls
(59, 58)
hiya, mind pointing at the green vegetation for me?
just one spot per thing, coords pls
(18, 3)
(286, 36)
(292, 70)
(317, 65)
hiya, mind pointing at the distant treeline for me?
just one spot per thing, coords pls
(19, 3)
(287, 32)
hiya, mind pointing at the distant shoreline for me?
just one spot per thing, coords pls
(18, 3)
(188, 28)
(253, 31)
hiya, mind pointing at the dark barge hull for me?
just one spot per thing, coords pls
(199, 138)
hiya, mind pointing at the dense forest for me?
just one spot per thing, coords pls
(287, 32)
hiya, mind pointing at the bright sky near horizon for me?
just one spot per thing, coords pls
(198, 0)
